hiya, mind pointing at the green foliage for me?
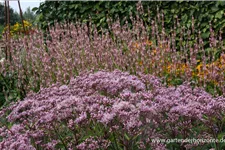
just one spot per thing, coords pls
(14, 16)
(203, 12)
(8, 90)
(64, 11)
(1, 29)
(29, 15)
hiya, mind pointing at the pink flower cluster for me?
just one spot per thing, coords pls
(111, 110)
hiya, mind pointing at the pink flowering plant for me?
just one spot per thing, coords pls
(38, 61)
(88, 89)
(112, 110)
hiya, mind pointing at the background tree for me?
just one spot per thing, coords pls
(29, 15)
(14, 16)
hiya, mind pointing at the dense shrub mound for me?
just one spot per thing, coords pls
(112, 110)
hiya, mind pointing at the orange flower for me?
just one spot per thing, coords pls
(140, 63)
(136, 45)
(149, 43)
(153, 52)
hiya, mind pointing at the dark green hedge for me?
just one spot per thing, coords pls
(71, 11)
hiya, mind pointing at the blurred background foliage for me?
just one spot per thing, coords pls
(14, 16)
(29, 15)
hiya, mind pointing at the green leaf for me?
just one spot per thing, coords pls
(219, 14)
(205, 35)
(177, 81)
(127, 137)
(173, 10)
(184, 18)
(35, 9)
(214, 9)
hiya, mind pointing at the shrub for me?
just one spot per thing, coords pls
(112, 110)
(17, 28)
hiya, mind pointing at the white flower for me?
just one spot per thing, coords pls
(2, 60)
